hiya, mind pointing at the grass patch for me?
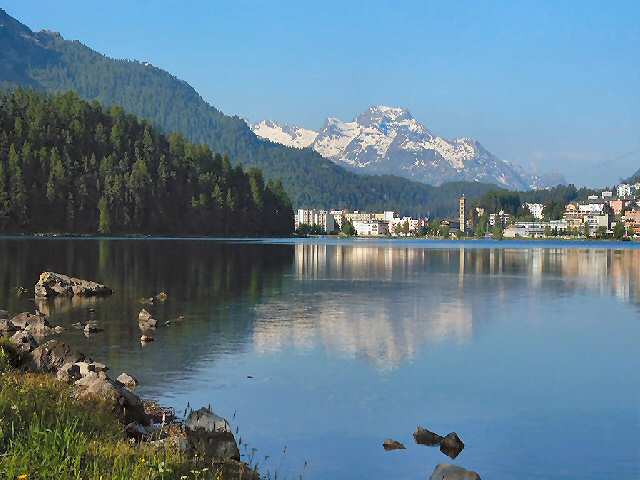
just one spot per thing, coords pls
(45, 433)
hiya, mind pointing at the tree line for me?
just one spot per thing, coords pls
(73, 166)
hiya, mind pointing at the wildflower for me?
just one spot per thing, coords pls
(24, 476)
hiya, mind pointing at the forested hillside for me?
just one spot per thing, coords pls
(68, 165)
(44, 60)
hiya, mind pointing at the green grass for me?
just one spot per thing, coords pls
(45, 433)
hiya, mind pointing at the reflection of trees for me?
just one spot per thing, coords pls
(201, 277)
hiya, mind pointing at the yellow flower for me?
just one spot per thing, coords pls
(24, 476)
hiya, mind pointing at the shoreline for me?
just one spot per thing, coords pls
(66, 393)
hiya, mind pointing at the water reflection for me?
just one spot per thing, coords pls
(345, 301)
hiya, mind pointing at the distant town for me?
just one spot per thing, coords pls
(608, 214)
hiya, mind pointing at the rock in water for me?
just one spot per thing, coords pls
(209, 435)
(127, 380)
(389, 444)
(444, 471)
(146, 321)
(451, 445)
(422, 436)
(53, 284)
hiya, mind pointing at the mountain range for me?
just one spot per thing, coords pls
(45, 61)
(389, 140)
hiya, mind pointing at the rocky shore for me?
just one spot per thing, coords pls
(200, 437)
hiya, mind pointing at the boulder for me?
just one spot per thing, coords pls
(444, 471)
(162, 297)
(69, 373)
(136, 431)
(451, 445)
(146, 339)
(87, 368)
(422, 436)
(210, 436)
(24, 341)
(123, 402)
(52, 355)
(91, 327)
(146, 321)
(390, 444)
(6, 327)
(30, 321)
(127, 380)
(53, 284)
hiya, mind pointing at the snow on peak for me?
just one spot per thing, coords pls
(284, 134)
(388, 140)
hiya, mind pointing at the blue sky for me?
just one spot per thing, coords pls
(552, 85)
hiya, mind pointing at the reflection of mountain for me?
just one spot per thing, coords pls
(385, 303)
(381, 301)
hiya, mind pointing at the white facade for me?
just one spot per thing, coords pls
(322, 218)
(536, 210)
(371, 228)
(624, 190)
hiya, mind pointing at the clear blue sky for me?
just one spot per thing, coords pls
(550, 84)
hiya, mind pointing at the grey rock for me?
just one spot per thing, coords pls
(146, 338)
(136, 431)
(127, 380)
(209, 436)
(24, 341)
(451, 445)
(26, 320)
(444, 471)
(53, 284)
(390, 444)
(91, 328)
(87, 368)
(146, 321)
(52, 355)
(6, 327)
(69, 373)
(123, 402)
(422, 436)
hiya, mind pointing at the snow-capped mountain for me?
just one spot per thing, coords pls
(388, 140)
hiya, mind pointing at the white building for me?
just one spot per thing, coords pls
(321, 218)
(502, 219)
(371, 228)
(536, 210)
(624, 190)
(607, 195)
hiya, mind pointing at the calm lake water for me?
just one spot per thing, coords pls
(322, 349)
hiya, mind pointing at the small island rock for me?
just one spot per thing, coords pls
(422, 436)
(390, 444)
(451, 445)
(444, 471)
(127, 380)
(53, 284)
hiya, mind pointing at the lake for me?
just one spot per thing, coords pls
(318, 350)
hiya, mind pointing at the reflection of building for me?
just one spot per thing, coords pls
(386, 304)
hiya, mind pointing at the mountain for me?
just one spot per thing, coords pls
(46, 61)
(388, 140)
(635, 177)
